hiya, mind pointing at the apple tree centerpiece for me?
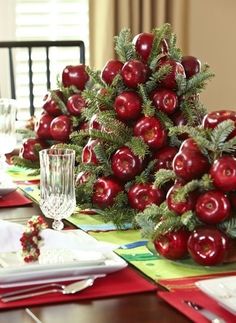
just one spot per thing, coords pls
(137, 98)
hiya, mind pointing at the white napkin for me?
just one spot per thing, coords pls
(64, 246)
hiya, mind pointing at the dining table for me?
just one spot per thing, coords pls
(132, 308)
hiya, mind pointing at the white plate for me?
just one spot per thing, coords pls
(14, 272)
(222, 289)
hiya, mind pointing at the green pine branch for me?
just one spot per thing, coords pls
(79, 138)
(147, 221)
(160, 33)
(59, 102)
(189, 220)
(95, 76)
(193, 111)
(157, 77)
(203, 184)
(229, 227)
(172, 223)
(175, 53)
(163, 176)
(92, 108)
(146, 174)
(124, 47)
(197, 83)
(147, 107)
(219, 135)
(26, 163)
(102, 156)
(165, 119)
(138, 147)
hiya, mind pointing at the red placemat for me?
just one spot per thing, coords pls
(125, 281)
(14, 199)
(177, 298)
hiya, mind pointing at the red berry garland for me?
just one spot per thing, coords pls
(31, 238)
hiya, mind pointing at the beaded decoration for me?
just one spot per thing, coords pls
(31, 238)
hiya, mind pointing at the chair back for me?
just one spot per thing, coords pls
(29, 45)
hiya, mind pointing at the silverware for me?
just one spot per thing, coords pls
(206, 313)
(66, 290)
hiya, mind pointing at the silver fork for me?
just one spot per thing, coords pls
(66, 290)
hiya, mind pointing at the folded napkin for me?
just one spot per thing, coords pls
(57, 247)
(176, 299)
(14, 199)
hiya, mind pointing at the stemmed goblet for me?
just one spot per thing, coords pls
(57, 187)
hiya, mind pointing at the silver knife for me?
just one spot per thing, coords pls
(206, 313)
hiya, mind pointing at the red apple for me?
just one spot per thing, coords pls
(190, 164)
(128, 106)
(177, 69)
(125, 164)
(191, 64)
(134, 72)
(223, 173)
(28, 151)
(165, 100)
(164, 157)
(105, 191)
(208, 246)
(212, 119)
(75, 76)
(61, 128)
(150, 129)
(172, 245)
(42, 127)
(180, 207)
(110, 70)
(88, 155)
(75, 104)
(144, 194)
(212, 207)
(50, 105)
(143, 45)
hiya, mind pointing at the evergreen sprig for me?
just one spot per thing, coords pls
(197, 83)
(189, 220)
(123, 46)
(59, 102)
(79, 138)
(95, 76)
(147, 107)
(138, 147)
(174, 52)
(102, 156)
(147, 221)
(146, 174)
(193, 111)
(220, 133)
(157, 77)
(160, 33)
(203, 184)
(172, 223)
(26, 163)
(163, 176)
(90, 97)
(229, 227)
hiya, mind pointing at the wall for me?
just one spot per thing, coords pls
(211, 37)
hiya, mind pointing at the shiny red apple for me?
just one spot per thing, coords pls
(151, 130)
(208, 246)
(105, 190)
(75, 75)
